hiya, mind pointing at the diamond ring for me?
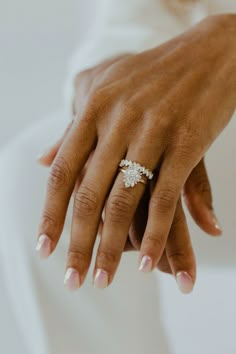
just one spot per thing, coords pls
(134, 172)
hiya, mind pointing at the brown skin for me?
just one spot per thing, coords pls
(163, 107)
(198, 198)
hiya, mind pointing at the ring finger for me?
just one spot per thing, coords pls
(119, 212)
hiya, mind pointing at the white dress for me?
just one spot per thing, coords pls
(126, 318)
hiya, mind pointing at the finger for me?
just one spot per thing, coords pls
(65, 169)
(47, 157)
(128, 246)
(162, 207)
(82, 174)
(198, 198)
(179, 252)
(139, 223)
(119, 212)
(89, 203)
(164, 265)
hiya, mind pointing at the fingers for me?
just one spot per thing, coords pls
(119, 212)
(47, 157)
(164, 265)
(162, 207)
(88, 206)
(65, 169)
(139, 221)
(198, 198)
(138, 227)
(179, 252)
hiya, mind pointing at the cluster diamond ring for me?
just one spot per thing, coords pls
(134, 173)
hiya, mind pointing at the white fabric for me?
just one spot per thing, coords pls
(126, 318)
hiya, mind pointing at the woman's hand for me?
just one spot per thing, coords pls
(178, 255)
(162, 108)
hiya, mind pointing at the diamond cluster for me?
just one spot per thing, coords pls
(133, 173)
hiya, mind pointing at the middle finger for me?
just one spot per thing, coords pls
(119, 212)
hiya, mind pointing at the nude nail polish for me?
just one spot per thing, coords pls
(216, 222)
(101, 279)
(43, 153)
(185, 282)
(43, 246)
(72, 279)
(146, 264)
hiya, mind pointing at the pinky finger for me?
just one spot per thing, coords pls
(179, 252)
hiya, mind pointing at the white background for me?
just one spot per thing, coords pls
(37, 39)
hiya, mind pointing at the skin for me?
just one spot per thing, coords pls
(162, 108)
(198, 198)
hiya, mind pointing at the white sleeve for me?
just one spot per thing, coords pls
(127, 26)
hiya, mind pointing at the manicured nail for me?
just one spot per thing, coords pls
(101, 279)
(72, 279)
(216, 221)
(43, 246)
(185, 282)
(40, 155)
(146, 264)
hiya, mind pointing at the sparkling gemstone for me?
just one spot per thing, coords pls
(132, 175)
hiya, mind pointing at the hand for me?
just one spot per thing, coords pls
(198, 197)
(157, 108)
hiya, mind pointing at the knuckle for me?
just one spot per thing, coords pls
(168, 110)
(119, 207)
(98, 104)
(59, 175)
(164, 200)
(177, 256)
(85, 202)
(154, 240)
(185, 146)
(98, 99)
(77, 255)
(202, 186)
(48, 222)
(108, 257)
(182, 259)
(131, 108)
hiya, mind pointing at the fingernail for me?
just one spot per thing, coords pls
(216, 221)
(185, 282)
(72, 279)
(101, 279)
(43, 246)
(40, 155)
(146, 264)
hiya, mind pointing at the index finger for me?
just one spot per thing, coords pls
(64, 171)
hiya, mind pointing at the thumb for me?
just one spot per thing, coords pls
(198, 198)
(47, 157)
